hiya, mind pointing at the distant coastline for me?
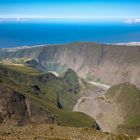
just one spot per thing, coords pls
(43, 45)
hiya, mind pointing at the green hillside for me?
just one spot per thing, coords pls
(127, 98)
(46, 91)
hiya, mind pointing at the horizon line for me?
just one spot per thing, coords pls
(68, 18)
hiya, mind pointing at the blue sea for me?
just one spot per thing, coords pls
(21, 34)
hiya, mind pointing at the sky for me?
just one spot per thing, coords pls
(70, 9)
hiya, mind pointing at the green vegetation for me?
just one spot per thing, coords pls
(23, 68)
(99, 81)
(132, 121)
(71, 80)
(127, 97)
(22, 80)
(18, 64)
(90, 77)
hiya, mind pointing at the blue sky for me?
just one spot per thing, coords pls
(70, 9)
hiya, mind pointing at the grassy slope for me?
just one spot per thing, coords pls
(23, 69)
(127, 98)
(47, 98)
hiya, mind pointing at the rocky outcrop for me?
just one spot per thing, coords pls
(16, 109)
(71, 81)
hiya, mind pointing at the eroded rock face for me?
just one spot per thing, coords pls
(15, 109)
(38, 115)
(12, 106)
(111, 64)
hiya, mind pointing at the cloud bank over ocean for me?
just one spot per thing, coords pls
(133, 21)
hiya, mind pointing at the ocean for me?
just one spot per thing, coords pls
(28, 34)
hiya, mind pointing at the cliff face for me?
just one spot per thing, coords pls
(110, 64)
(16, 109)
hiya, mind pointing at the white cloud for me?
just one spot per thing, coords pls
(133, 21)
(129, 44)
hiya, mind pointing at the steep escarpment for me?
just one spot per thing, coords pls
(106, 63)
(16, 109)
(110, 64)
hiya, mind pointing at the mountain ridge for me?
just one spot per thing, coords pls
(110, 64)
